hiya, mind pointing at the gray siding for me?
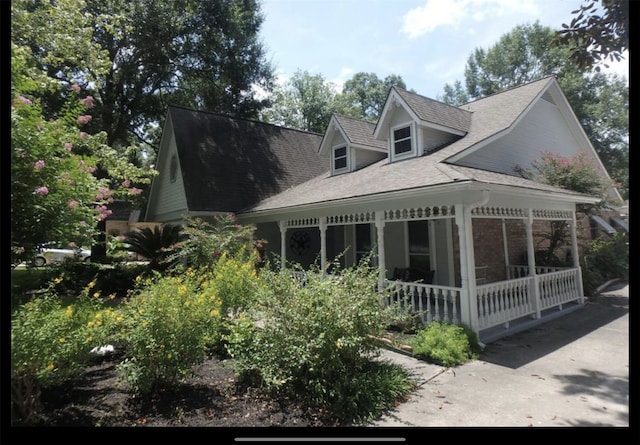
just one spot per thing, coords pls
(544, 129)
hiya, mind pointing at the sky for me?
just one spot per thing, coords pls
(426, 42)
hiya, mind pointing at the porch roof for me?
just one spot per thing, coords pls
(384, 177)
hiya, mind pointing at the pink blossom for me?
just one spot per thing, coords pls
(84, 119)
(24, 100)
(87, 101)
(73, 203)
(84, 135)
(126, 183)
(73, 245)
(216, 253)
(68, 146)
(41, 191)
(75, 87)
(135, 191)
(91, 169)
(39, 165)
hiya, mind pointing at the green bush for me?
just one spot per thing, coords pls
(50, 343)
(166, 329)
(446, 344)
(314, 340)
(604, 259)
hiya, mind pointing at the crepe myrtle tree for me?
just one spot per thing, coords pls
(63, 178)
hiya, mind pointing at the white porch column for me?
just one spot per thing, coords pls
(575, 255)
(323, 243)
(283, 244)
(505, 246)
(468, 304)
(531, 260)
(382, 268)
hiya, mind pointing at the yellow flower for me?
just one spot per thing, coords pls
(62, 340)
(169, 355)
(57, 280)
(69, 312)
(96, 294)
(91, 284)
(50, 367)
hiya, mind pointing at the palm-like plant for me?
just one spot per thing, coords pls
(156, 244)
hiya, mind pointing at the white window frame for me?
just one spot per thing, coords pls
(412, 138)
(347, 157)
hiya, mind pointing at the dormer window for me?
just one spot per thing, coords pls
(340, 159)
(402, 141)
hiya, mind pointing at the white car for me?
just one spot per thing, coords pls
(49, 255)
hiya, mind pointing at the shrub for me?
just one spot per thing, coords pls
(50, 343)
(234, 283)
(446, 344)
(167, 328)
(605, 259)
(313, 339)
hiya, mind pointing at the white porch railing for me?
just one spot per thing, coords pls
(522, 270)
(430, 302)
(503, 301)
(558, 288)
(498, 303)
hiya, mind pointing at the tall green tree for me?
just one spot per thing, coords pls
(305, 101)
(364, 95)
(204, 54)
(600, 101)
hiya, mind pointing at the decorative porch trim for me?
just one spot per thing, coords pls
(521, 213)
(351, 218)
(302, 222)
(435, 212)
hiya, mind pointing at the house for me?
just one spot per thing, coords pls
(432, 189)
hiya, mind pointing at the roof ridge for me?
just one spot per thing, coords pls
(246, 119)
(515, 87)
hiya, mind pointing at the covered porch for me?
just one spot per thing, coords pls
(465, 263)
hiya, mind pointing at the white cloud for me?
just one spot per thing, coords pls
(436, 13)
(345, 74)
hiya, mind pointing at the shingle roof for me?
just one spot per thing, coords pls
(490, 116)
(360, 132)
(436, 112)
(229, 163)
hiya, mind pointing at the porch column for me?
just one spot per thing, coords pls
(575, 255)
(382, 268)
(531, 260)
(323, 243)
(505, 245)
(468, 304)
(283, 244)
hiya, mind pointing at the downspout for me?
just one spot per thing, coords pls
(471, 263)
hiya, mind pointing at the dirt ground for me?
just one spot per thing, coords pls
(212, 398)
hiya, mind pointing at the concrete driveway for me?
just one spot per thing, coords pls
(571, 371)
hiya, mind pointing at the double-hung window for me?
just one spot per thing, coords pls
(402, 141)
(340, 163)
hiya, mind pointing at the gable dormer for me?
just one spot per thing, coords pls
(414, 125)
(350, 145)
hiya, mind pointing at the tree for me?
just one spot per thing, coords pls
(600, 101)
(306, 102)
(197, 53)
(364, 95)
(63, 178)
(597, 34)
